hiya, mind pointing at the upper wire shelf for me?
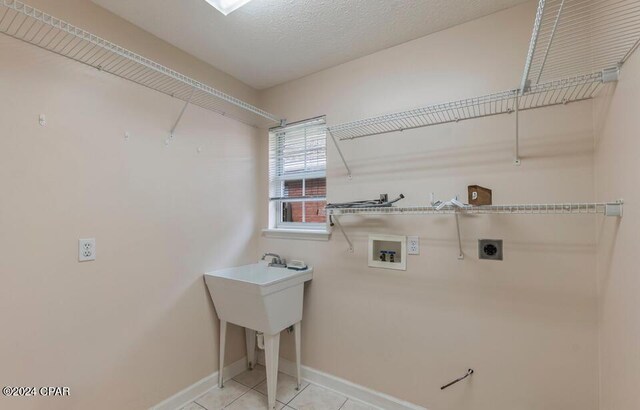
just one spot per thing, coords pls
(541, 95)
(576, 46)
(580, 36)
(33, 26)
(608, 209)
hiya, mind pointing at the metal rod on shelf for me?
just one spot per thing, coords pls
(631, 50)
(460, 253)
(337, 221)
(516, 161)
(553, 33)
(532, 46)
(469, 373)
(184, 108)
(340, 153)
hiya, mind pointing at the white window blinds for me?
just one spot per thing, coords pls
(297, 171)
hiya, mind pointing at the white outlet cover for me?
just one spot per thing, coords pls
(86, 249)
(413, 245)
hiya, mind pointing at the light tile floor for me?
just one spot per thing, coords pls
(248, 391)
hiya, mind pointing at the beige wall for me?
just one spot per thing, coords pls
(136, 325)
(617, 174)
(527, 325)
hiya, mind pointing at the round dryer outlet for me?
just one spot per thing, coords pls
(490, 249)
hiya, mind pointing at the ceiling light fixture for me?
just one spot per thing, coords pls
(227, 6)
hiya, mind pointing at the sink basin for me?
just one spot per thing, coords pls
(258, 297)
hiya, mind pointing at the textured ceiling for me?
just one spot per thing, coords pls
(268, 42)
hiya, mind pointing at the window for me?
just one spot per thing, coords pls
(297, 175)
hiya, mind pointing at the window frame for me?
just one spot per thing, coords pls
(276, 205)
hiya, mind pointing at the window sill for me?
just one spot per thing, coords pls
(297, 234)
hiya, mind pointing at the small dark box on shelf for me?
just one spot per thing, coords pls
(479, 195)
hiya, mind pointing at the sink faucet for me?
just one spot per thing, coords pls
(276, 261)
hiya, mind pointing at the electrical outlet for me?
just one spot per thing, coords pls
(413, 245)
(86, 249)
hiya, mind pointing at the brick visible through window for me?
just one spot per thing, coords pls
(293, 211)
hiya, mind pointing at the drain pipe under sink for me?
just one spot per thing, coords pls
(260, 337)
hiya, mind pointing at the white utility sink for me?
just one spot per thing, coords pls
(261, 299)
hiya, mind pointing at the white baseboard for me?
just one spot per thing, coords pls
(344, 387)
(194, 391)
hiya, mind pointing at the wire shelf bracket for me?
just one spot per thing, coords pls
(460, 253)
(336, 219)
(344, 162)
(26, 23)
(175, 125)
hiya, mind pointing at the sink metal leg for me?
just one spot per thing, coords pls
(271, 353)
(250, 339)
(223, 341)
(297, 333)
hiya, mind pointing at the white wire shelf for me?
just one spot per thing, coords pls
(33, 26)
(608, 209)
(542, 95)
(611, 209)
(573, 37)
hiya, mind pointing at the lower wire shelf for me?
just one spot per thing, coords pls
(605, 208)
(611, 209)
